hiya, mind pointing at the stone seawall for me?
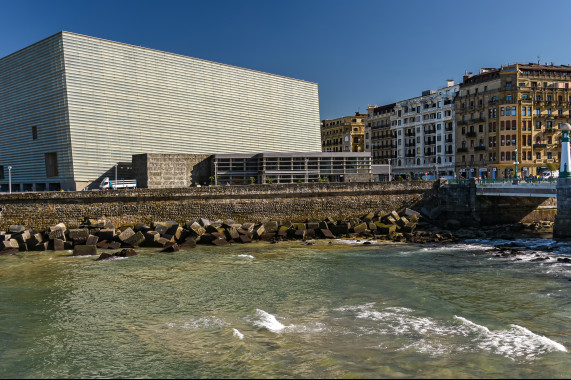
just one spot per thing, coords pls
(251, 203)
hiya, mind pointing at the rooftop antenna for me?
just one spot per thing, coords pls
(538, 59)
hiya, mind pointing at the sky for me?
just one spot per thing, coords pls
(359, 52)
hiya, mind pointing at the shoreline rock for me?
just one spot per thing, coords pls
(170, 236)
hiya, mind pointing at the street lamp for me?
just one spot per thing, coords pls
(389, 169)
(215, 172)
(10, 179)
(115, 187)
(516, 164)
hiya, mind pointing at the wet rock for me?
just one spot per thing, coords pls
(173, 247)
(84, 250)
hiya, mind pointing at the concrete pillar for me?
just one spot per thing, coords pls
(562, 225)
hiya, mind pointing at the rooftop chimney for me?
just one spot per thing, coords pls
(449, 82)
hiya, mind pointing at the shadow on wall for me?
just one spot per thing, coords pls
(124, 171)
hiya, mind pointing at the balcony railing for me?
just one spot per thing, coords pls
(539, 146)
(471, 134)
(481, 147)
(462, 150)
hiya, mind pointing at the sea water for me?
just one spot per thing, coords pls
(290, 310)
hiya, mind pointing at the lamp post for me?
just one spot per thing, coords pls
(389, 169)
(115, 187)
(215, 172)
(10, 179)
(515, 181)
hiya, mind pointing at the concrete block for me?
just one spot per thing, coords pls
(92, 240)
(84, 250)
(135, 239)
(107, 234)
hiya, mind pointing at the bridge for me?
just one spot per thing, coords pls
(524, 188)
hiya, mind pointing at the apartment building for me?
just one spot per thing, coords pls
(423, 130)
(511, 115)
(378, 128)
(344, 134)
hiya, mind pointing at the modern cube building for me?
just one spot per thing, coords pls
(74, 106)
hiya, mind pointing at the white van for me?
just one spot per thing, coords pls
(550, 174)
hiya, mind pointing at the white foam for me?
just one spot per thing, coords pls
(427, 333)
(354, 241)
(248, 256)
(238, 334)
(205, 323)
(540, 338)
(512, 343)
(269, 321)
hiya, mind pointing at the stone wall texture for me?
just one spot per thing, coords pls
(159, 171)
(253, 203)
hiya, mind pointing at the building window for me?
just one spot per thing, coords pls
(523, 111)
(538, 125)
(34, 132)
(1, 172)
(509, 97)
(51, 164)
(502, 111)
(537, 112)
(508, 111)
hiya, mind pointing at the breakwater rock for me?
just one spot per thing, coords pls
(171, 236)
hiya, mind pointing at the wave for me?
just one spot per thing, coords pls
(436, 337)
(248, 256)
(514, 342)
(269, 321)
(238, 334)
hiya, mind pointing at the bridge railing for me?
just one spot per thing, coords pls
(529, 180)
(494, 181)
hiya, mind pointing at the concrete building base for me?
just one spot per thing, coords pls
(562, 225)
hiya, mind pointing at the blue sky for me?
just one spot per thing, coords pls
(360, 52)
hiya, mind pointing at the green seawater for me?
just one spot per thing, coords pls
(286, 310)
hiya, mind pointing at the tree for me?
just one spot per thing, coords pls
(551, 166)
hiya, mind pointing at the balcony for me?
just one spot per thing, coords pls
(539, 146)
(462, 122)
(471, 134)
(410, 155)
(448, 129)
(549, 130)
(462, 150)
(479, 148)
(408, 145)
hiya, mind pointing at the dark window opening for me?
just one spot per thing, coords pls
(51, 164)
